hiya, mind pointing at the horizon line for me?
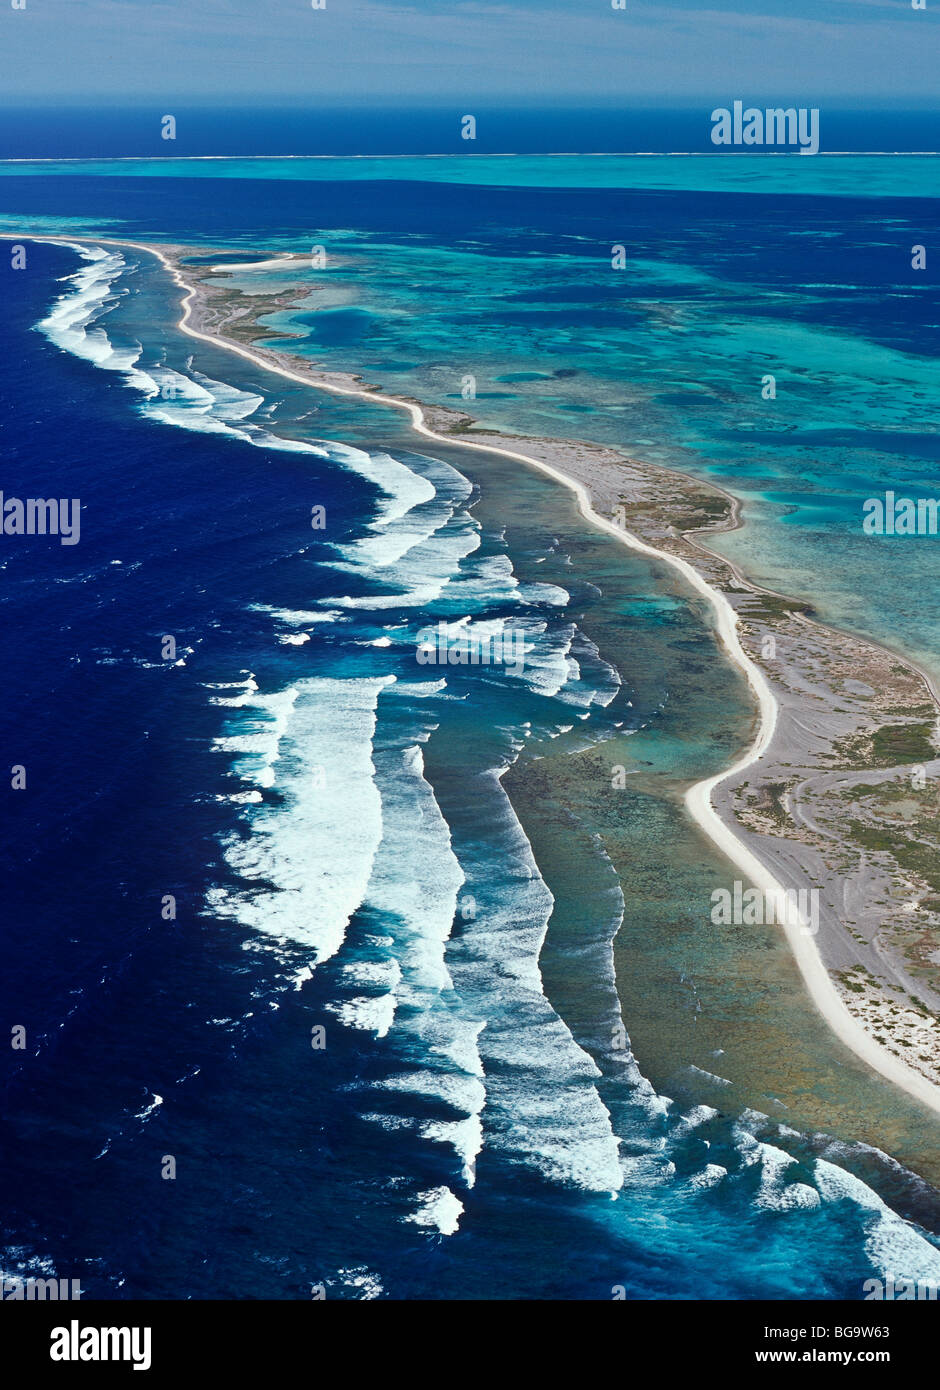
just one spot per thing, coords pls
(474, 154)
(478, 154)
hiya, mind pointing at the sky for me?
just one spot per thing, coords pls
(533, 51)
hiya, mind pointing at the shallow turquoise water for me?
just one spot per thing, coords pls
(669, 360)
(839, 175)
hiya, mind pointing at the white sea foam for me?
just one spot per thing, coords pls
(416, 876)
(692, 1119)
(439, 1209)
(190, 401)
(246, 689)
(384, 973)
(193, 401)
(774, 1192)
(421, 538)
(197, 402)
(297, 618)
(256, 736)
(599, 682)
(248, 682)
(421, 690)
(462, 1048)
(548, 663)
(71, 323)
(420, 573)
(150, 1109)
(708, 1075)
(464, 1136)
(366, 1284)
(542, 656)
(298, 886)
(403, 489)
(455, 1089)
(490, 579)
(415, 883)
(543, 1107)
(369, 1013)
(418, 538)
(709, 1176)
(893, 1245)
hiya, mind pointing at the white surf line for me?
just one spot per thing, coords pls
(698, 798)
(286, 260)
(453, 154)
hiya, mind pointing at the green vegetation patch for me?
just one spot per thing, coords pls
(903, 743)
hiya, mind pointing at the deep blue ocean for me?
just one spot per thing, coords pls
(119, 131)
(327, 814)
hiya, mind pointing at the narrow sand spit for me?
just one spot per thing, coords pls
(698, 799)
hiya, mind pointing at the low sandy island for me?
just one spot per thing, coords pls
(833, 795)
